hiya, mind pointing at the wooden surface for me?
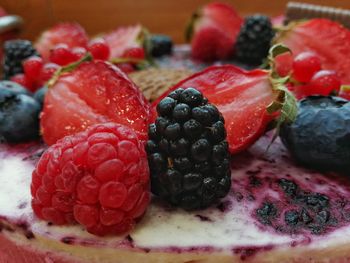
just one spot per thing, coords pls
(160, 16)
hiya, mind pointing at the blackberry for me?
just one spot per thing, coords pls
(161, 45)
(188, 152)
(15, 51)
(320, 136)
(254, 39)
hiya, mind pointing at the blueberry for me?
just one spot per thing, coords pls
(39, 95)
(161, 45)
(19, 117)
(14, 87)
(320, 136)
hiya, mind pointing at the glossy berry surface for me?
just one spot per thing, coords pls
(32, 67)
(19, 116)
(62, 55)
(39, 95)
(98, 178)
(22, 80)
(135, 53)
(99, 49)
(305, 65)
(13, 87)
(47, 71)
(325, 82)
(319, 138)
(188, 152)
(161, 45)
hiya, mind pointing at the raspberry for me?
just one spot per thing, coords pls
(32, 67)
(188, 152)
(99, 49)
(135, 52)
(62, 55)
(305, 65)
(98, 178)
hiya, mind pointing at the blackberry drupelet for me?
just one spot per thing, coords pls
(15, 51)
(320, 136)
(161, 45)
(188, 152)
(254, 40)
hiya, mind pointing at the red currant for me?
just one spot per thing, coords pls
(345, 92)
(32, 67)
(99, 49)
(62, 55)
(126, 67)
(47, 71)
(283, 64)
(78, 52)
(305, 65)
(134, 52)
(324, 82)
(24, 81)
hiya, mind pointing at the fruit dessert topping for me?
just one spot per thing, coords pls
(92, 92)
(212, 31)
(19, 114)
(319, 137)
(246, 99)
(254, 40)
(15, 51)
(98, 178)
(160, 45)
(188, 152)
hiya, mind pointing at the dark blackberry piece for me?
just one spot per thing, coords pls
(188, 152)
(254, 40)
(161, 45)
(320, 136)
(15, 51)
(19, 117)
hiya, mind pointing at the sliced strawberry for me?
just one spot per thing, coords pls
(213, 31)
(94, 92)
(328, 39)
(124, 38)
(241, 96)
(71, 34)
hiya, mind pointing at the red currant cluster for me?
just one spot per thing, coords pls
(37, 71)
(308, 77)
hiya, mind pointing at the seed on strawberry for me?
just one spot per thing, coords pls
(99, 49)
(99, 178)
(32, 67)
(62, 55)
(305, 65)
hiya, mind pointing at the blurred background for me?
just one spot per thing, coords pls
(159, 16)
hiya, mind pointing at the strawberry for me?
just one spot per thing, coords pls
(124, 38)
(213, 30)
(329, 40)
(241, 96)
(94, 92)
(71, 34)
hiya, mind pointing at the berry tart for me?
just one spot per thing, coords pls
(235, 148)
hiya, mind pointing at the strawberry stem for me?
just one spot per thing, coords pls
(68, 68)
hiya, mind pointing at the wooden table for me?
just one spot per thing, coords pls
(160, 16)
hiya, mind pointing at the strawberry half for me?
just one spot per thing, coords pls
(241, 96)
(71, 34)
(124, 38)
(94, 92)
(213, 31)
(328, 39)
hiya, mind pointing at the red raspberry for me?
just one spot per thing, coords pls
(99, 49)
(98, 178)
(134, 52)
(32, 67)
(62, 55)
